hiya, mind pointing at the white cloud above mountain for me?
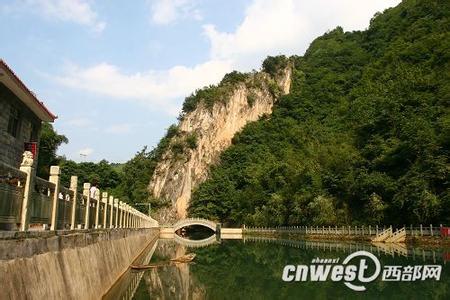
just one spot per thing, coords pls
(269, 27)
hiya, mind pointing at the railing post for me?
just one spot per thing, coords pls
(421, 230)
(111, 214)
(105, 209)
(97, 209)
(54, 178)
(125, 219)
(86, 188)
(73, 188)
(129, 217)
(431, 229)
(27, 167)
(116, 205)
(121, 214)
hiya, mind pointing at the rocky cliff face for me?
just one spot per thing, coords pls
(205, 132)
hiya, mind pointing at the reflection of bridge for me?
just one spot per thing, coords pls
(195, 243)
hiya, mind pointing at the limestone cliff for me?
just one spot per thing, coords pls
(206, 131)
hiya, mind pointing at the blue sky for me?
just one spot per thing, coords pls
(116, 72)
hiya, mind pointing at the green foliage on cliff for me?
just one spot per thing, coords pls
(214, 93)
(363, 137)
(273, 64)
(219, 93)
(191, 141)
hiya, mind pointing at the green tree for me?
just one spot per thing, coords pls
(49, 142)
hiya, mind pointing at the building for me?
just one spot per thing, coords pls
(21, 117)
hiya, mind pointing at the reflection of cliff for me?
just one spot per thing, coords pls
(174, 281)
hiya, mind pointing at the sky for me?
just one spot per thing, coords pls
(116, 72)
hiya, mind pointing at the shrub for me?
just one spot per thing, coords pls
(177, 148)
(273, 64)
(191, 141)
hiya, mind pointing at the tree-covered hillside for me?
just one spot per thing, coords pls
(363, 137)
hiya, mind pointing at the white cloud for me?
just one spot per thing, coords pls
(165, 12)
(76, 11)
(161, 90)
(272, 27)
(119, 128)
(85, 151)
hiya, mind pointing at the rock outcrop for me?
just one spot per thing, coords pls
(210, 129)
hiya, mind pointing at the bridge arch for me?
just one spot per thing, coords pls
(195, 221)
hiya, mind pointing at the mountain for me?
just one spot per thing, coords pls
(210, 119)
(363, 137)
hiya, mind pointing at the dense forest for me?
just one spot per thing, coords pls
(363, 137)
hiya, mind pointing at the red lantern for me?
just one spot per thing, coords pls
(32, 147)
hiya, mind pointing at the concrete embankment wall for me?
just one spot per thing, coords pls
(67, 265)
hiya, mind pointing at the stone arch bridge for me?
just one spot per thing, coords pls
(196, 221)
(216, 227)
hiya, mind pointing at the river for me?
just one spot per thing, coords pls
(252, 268)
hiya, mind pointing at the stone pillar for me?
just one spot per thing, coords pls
(120, 214)
(125, 217)
(27, 167)
(73, 188)
(111, 213)
(86, 188)
(97, 209)
(105, 209)
(54, 178)
(116, 205)
(127, 222)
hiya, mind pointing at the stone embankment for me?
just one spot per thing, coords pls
(67, 264)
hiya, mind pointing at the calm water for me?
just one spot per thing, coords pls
(252, 269)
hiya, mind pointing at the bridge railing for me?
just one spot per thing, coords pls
(28, 202)
(364, 230)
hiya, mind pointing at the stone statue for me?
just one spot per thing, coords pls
(27, 160)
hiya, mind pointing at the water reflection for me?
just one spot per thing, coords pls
(251, 269)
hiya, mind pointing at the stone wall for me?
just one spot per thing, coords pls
(12, 147)
(67, 265)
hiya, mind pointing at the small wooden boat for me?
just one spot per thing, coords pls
(151, 266)
(182, 259)
(185, 258)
